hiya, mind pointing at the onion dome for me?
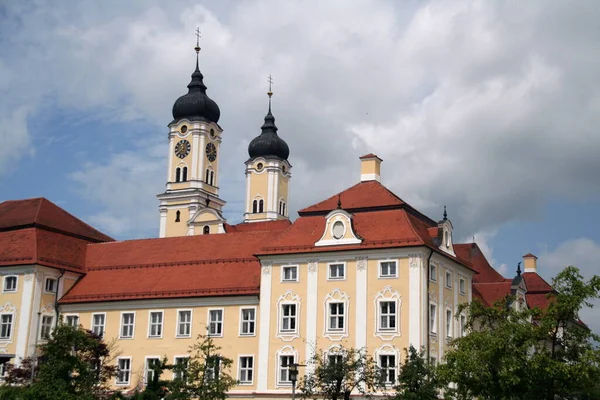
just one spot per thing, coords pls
(196, 105)
(268, 143)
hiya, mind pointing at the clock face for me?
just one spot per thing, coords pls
(211, 152)
(182, 148)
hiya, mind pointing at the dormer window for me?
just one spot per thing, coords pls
(447, 239)
(337, 231)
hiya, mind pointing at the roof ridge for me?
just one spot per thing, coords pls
(186, 237)
(175, 263)
(412, 227)
(338, 193)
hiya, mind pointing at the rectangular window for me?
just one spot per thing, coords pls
(335, 359)
(461, 286)
(290, 273)
(127, 325)
(337, 271)
(387, 363)
(248, 321)
(463, 324)
(387, 315)
(184, 323)
(124, 371)
(284, 369)
(432, 360)
(388, 269)
(246, 370)
(215, 322)
(46, 328)
(449, 323)
(432, 318)
(72, 320)
(6, 321)
(50, 285)
(156, 324)
(151, 363)
(448, 279)
(180, 366)
(432, 273)
(10, 284)
(98, 324)
(336, 317)
(288, 317)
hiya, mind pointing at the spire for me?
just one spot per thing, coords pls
(269, 125)
(197, 83)
(445, 214)
(339, 204)
(519, 268)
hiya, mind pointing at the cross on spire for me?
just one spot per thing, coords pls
(270, 80)
(197, 48)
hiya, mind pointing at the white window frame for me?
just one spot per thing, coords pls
(295, 317)
(51, 326)
(344, 317)
(162, 324)
(462, 285)
(290, 267)
(67, 316)
(146, 369)
(462, 325)
(448, 282)
(121, 325)
(252, 369)
(177, 357)
(449, 323)
(388, 276)
(432, 323)
(380, 315)
(4, 283)
(123, 383)
(54, 285)
(337, 278)
(190, 323)
(280, 368)
(222, 322)
(253, 333)
(433, 272)
(93, 325)
(386, 382)
(12, 325)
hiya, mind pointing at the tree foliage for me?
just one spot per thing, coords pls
(417, 379)
(529, 354)
(336, 376)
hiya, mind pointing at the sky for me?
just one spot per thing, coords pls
(491, 108)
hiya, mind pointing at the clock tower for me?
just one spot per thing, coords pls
(191, 204)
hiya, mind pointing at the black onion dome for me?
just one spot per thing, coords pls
(268, 143)
(196, 104)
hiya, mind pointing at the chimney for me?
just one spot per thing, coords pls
(530, 262)
(370, 168)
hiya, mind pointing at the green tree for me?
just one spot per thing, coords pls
(417, 379)
(528, 354)
(336, 375)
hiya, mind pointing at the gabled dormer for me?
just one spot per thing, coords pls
(445, 234)
(338, 229)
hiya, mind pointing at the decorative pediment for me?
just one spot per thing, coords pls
(338, 230)
(206, 217)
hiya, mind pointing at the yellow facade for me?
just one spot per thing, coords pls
(267, 183)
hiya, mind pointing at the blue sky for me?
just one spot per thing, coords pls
(490, 108)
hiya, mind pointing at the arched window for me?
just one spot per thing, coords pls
(255, 206)
(283, 209)
(260, 205)
(206, 230)
(177, 214)
(178, 175)
(212, 178)
(207, 175)
(184, 174)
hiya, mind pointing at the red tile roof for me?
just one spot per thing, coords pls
(535, 283)
(42, 213)
(370, 155)
(539, 300)
(259, 226)
(529, 255)
(490, 292)
(472, 254)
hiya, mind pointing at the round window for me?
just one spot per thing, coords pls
(184, 129)
(259, 166)
(338, 230)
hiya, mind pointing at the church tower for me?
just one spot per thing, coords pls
(191, 204)
(267, 173)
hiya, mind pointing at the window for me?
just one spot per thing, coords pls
(288, 318)
(184, 323)
(72, 320)
(127, 325)
(178, 174)
(432, 318)
(281, 207)
(156, 324)
(290, 273)
(260, 205)
(432, 273)
(50, 285)
(98, 324)
(10, 284)
(448, 279)
(46, 328)
(212, 178)
(184, 174)
(248, 317)
(207, 176)
(284, 369)
(449, 323)
(177, 216)
(255, 206)
(124, 371)
(206, 230)
(387, 269)
(432, 360)
(336, 317)
(463, 324)
(246, 370)
(446, 239)
(387, 363)
(180, 367)
(215, 322)
(461, 286)
(335, 359)
(337, 271)
(387, 315)
(151, 363)
(6, 321)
